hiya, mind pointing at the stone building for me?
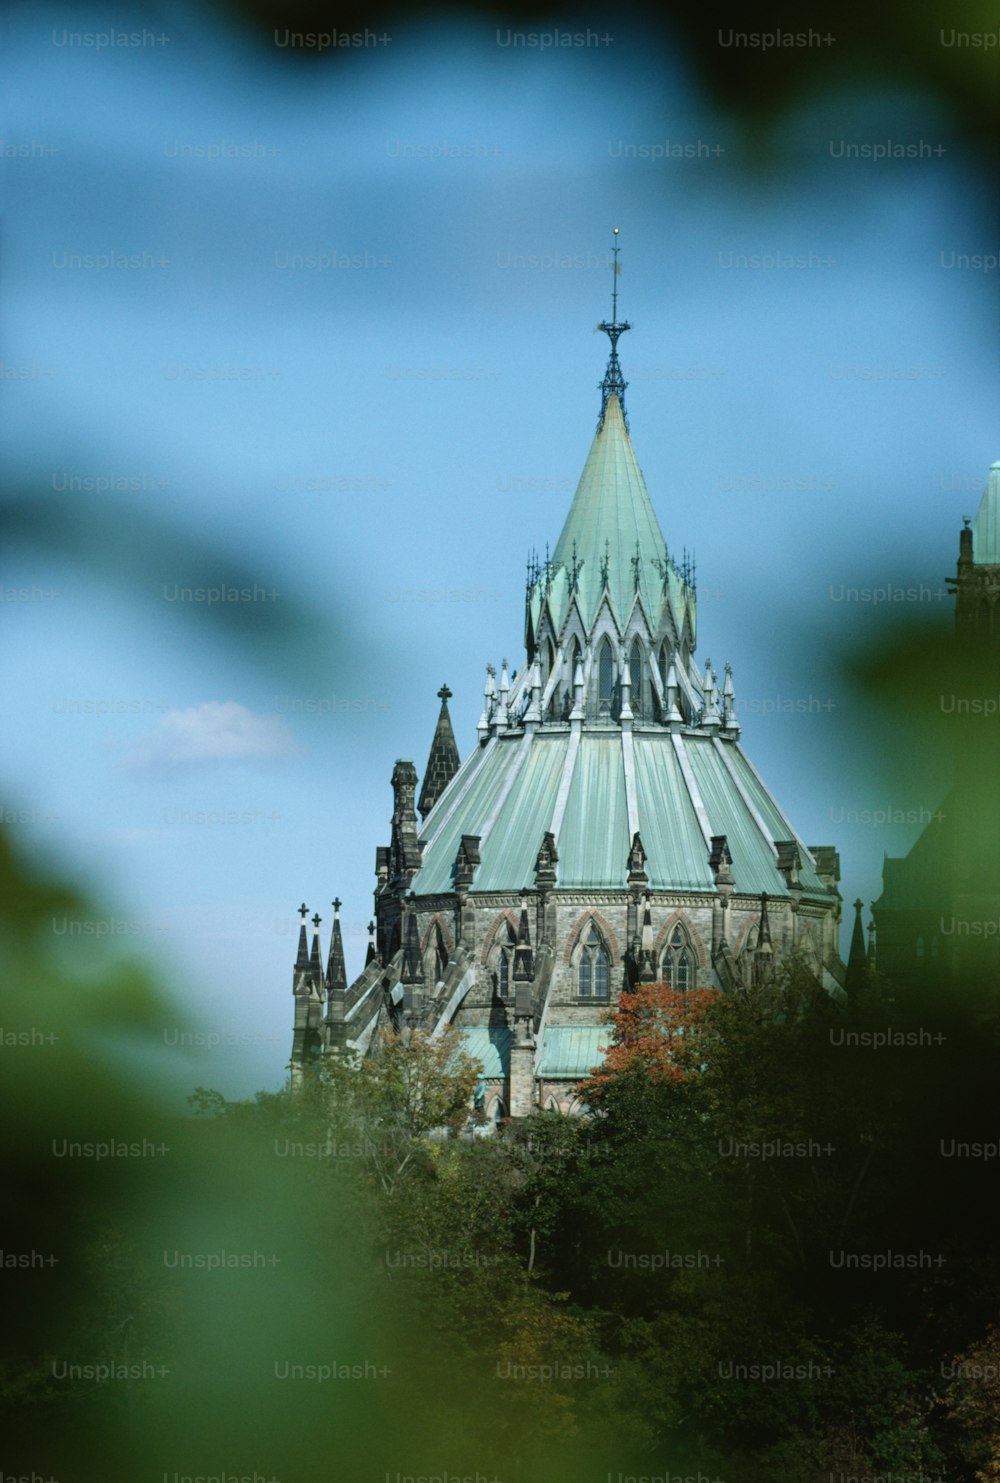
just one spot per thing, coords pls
(937, 920)
(606, 828)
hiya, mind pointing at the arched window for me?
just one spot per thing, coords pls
(594, 968)
(677, 966)
(664, 663)
(635, 675)
(605, 679)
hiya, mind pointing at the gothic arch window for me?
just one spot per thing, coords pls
(575, 658)
(605, 678)
(635, 676)
(495, 1111)
(593, 969)
(664, 663)
(677, 967)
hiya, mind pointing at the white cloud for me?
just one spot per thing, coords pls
(215, 731)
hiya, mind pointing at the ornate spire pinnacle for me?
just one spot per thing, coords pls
(443, 762)
(370, 955)
(614, 382)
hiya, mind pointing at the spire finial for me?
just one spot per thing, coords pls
(336, 903)
(444, 694)
(614, 383)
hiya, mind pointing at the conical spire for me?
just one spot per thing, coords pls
(857, 959)
(443, 762)
(611, 515)
(336, 968)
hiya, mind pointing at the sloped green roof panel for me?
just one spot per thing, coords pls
(593, 842)
(676, 853)
(570, 1052)
(435, 873)
(510, 851)
(490, 1045)
(754, 863)
(772, 815)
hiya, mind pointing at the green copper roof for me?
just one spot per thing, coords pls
(569, 1052)
(611, 518)
(592, 792)
(986, 526)
(490, 1045)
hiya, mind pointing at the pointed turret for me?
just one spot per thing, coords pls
(443, 762)
(371, 954)
(302, 958)
(336, 968)
(857, 959)
(336, 986)
(316, 956)
(307, 989)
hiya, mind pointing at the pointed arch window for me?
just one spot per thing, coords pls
(605, 678)
(677, 965)
(635, 671)
(594, 968)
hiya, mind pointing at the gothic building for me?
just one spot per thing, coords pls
(937, 920)
(606, 828)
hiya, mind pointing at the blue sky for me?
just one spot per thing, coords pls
(386, 439)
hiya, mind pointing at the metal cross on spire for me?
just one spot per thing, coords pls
(614, 381)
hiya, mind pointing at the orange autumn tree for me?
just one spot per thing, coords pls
(657, 1032)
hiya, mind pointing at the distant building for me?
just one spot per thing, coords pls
(606, 829)
(938, 917)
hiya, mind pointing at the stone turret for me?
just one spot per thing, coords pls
(443, 762)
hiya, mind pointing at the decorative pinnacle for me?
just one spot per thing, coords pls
(303, 912)
(614, 382)
(336, 903)
(444, 694)
(316, 921)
